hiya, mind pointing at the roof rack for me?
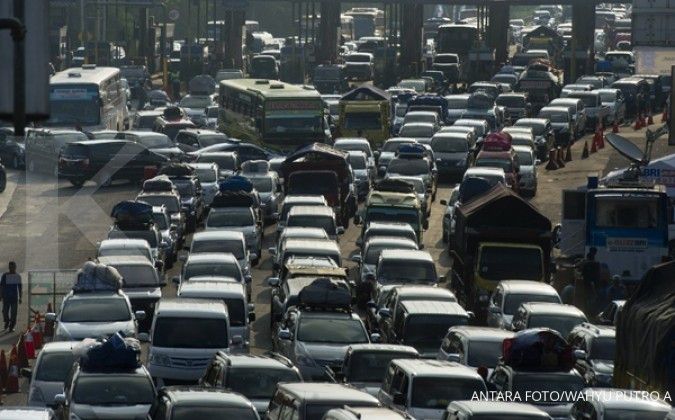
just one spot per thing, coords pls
(326, 294)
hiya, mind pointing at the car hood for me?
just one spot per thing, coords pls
(153, 293)
(361, 173)
(49, 390)
(356, 64)
(168, 151)
(110, 412)
(526, 170)
(82, 330)
(334, 353)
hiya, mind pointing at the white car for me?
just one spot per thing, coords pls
(49, 372)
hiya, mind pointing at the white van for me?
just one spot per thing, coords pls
(185, 335)
(233, 294)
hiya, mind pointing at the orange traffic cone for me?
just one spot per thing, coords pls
(49, 325)
(22, 357)
(594, 145)
(638, 122)
(584, 153)
(29, 344)
(601, 140)
(568, 155)
(37, 332)
(12, 384)
(650, 119)
(664, 116)
(3, 369)
(615, 126)
(560, 158)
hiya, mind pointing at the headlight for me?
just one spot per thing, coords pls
(160, 359)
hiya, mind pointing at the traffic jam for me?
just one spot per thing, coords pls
(332, 241)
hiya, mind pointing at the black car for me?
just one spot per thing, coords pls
(245, 151)
(191, 140)
(12, 150)
(107, 160)
(191, 201)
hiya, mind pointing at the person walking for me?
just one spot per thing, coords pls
(10, 287)
(590, 275)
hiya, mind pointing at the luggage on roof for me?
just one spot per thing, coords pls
(394, 185)
(255, 167)
(94, 277)
(112, 354)
(132, 212)
(160, 183)
(326, 293)
(497, 142)
(235, 183)
(177, 169)
(234, 199)
(172, 113)
(538, 349)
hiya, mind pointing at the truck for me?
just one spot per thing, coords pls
(318, 169)
(645, 335)
(366, 112)
(542, 82)
(491, 232)
(544, 38)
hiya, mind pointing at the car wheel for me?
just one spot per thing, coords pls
(77, 182)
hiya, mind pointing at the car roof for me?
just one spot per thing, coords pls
(614, 398)
(523, 148)
(351, 140)
(216, 287)
(311, 211)
(597, 330)
(219, 234)
(416, 112)
(268, 360)
(199, 396)
(436, 368)
(555, 109)
(526, 286)
(117, 260)
(124, 243)
(210, 257)
(418, 290)
(213, 279)
(328, 392)
(316, 244)
(481, 333)
(59, 346)
(552, 309)
(382, 347)
(303, 232)
(434, 307)
(498, 408)
(203, 165)
(483, 170)
(369, 413)
(470, 122)
(393, 241)
(95, 295)
(374, 226)
(292, 199)
(191, 307)
(532, 121)
(406, 254)
(25, 413)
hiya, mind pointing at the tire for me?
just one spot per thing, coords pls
(76, 182)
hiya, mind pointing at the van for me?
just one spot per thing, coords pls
(311, 401)
(233, 294)
(291, 201)
(315, 216)
(185, 335)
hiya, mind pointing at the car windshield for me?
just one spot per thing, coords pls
(496, 263)
(169, 201)
(145, 121)
(505, 164)
(449, 145)
(362, 121)
(196, 102)
(561, 323)
(206, 175)
(183, 412)
(190, 333)
(484, 353)
(148, 235)
(537, 129)
(425, 332)
(555, 117)
(406, 271)
(457, 103)
(393, 146)
(383, 214)
(436, 393)
(590, 101)
(185, 187)
(513, 300)
(342, 330)
(607, 96)
(161, 220)
(371, 366)
(410, 167)
(511, 101)
(603, 349)
(417, 131)
(358, 58)
(54, 366)
(401, 110)
(155, 141)
(357, 162)
(138, 275)
(536, 382)
(193, 269)
(325, 223)
(113, 390)
(123, 252)
(237, 218)
(373, 252)
(262, 184)
(235, 247)
(224, 162)
(258, 383)
(95, 310)
(525, 158)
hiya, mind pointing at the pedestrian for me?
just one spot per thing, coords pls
(567, 294)
(175, 85)
(590, 274)
(10, 287)
(617, 290)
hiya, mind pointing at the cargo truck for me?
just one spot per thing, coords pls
(366, 112)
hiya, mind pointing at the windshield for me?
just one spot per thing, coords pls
(449, 145)
(417, 131)
(206, 174)
(113, 390)
(561, 323)
(254, 383)
(626, 212)
(196, 102)
(74, 105)
(555, 117)
(342, 331)
(393, 146)
(401, 110)
(206, 140)
(537, 129)
(525, 158)
(358, 58)
(54, 367)
(405, 271)
(603, 349)
(511, 101)
(373, 252)
(169, 201)
(185, 187)
(384, 214)
(235, 247)
(155, 141)
(496, 263)
(607, 96)
(183, 412)
(426, 332)
(323, 222)
(458, 103)
(233, 217)
(313, 183)
(537, 382)
(436, 393)
(117, 252)
(262, 184)
(224, 162)
(505, 164)
(484, 353)
(292, 124)
(410, 167)
(512, 301)
(138, 275)
(95, 310)
(357, 162)
(362, 121)
(212, 269)
(161, 221)
(371, 367)
(190, 333)
(146, 122)
(589, 101)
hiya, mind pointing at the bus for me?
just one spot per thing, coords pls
(367, 21)
(273, 114)
(87, 98)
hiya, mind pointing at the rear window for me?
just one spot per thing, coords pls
(76, 151)
(190, 333)
(227, 246)
(54, 367)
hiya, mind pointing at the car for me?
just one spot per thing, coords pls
(473, 346)
(228, 74)
(225, 241)
(363, 175)
(268, 186)
(105, 161)
(144, 120)
(595, 345)
(12, 148)
(242, 219)
(93, 315)
(185, 402)
(556, 316)
(418, 85)
(292, 200)
(228, 162)
(254, 377)
(476, 410)
(574, 87)
(610, 314)
(424, 388)
(43, 149)
(544, 135)
(191, 201)
(598, 82)
(359, 66)
(156, 142)
(49, 372)
(609, 403)
(357, 144)
(614, 100)
(457, 105)
(562, 122)
(421, 132)
(315, 216)
(191, 140)
(93, 393)
(397, 229)
(213, 264)
(169, 236)
(197, 101)
(481, 127)
(417, 165)
(294, 233)
(316, 248)
(207, 174)
(398, 267)
(170, 200)
(449, 215)
(528, 170)
(422, 117)
(516, 104)
(245, 151)
(505, 160)
(388, 152)
(151, 234)
(128, 248)
(453, 153)
(510, 294)
(579, 113)
(311, 401)
(596, 111)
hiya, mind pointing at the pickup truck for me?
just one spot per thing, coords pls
(596, 111)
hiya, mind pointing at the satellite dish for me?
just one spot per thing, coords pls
(627, 149)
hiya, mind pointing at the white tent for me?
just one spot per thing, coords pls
(660, 171)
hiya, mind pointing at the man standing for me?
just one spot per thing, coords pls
(10, 286)
(590, 275)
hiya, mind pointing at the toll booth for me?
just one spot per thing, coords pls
(583, 60)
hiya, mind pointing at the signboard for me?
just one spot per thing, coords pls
(173, 14)
(293, 105)
(47, 287)
(654, 60)
(627, 244)
(72, 94)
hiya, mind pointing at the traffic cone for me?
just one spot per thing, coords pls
(22, 357)
(664, 116)
(650, 119)
(615, 126)
(29, 344)
(594, 145)
(37, 331)
(568, 155)
(560, 159)
(49, 325)
(643, 120)
(3, 369)
(552, 164)
(12, 384)
(638, 122)
(584, 153)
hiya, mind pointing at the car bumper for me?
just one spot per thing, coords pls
(165, 375)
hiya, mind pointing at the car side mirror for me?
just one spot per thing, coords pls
(371, 304)
(272, 250)
(60, 399)
(375, 338)
(537, 162)
(444, 202)
(442, 279)
(356, 258)
(471, 314)
(175, 280)
(247, 278)
(284, 335)
(340, 230)
(398, 399)
(26, 373)
(357, 219)
(254, 256)
(50, 316)
(384, 313)
(237, 340)
(144, 337)
(140, 315)
(273, 281)
(580, 355)
(454, 357)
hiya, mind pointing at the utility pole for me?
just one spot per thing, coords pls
(82, 33)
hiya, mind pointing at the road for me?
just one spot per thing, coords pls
(50, 224)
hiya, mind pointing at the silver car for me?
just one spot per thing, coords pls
(207, 174)
(242, 219)
(508, 296)
(49, 372)
(528, 170)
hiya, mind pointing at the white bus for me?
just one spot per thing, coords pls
(88, 98)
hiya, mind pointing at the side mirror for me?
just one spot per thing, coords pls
(454, 357)
(60, 399)
(537, 162)
(144, 337)
(471, 314)
(284, 335)
(444, 202)
(26, 373)
(273, 281)
(398, 399)
(340, 230)
(272, 250)
(357, 219)
(175, 280)
(356, 258)
(251, 317)
(371, 304)
(375, 338)
(253, 256)
(50, 316)
(183, 258)
(247, 278)
(173, 227)
(370, 277)
(237, 340)
(274, 216)
(494, 309)
(384, 313)
(580, 355)
(442, 279)
(140, 315)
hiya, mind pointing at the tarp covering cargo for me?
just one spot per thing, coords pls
(93, 277)
(394, 185)
(430, 100)
(366, 93)
(132, 211)
(326, 293)
(177, 169)
(116, 353)
(160, 183)
(317, 156)
(538, 349)
(497, 142)
(645, 334)
(235, 183)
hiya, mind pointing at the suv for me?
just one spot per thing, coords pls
(43, 148)
(207, 174)
(91, 393)
(477, 410)
(423, 388)
(255, 377)
(612, 403)
(192, 140)
(315, 216)
(171, 202)
(227, 241)
(510, 294)
(49, 372)
(473, 346)
(403, 266)
(184, 336)
(228, 162)
(556, 316)
(180, 403)
(595, 353)
(365, 364)
(169, 235)
(294, 233)
(543, 134)
(563, 123)
(217, 264)
(311, 401)
(418, 165)
(291, 201)
(242, 219)
(105, 161)
(191, 201)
